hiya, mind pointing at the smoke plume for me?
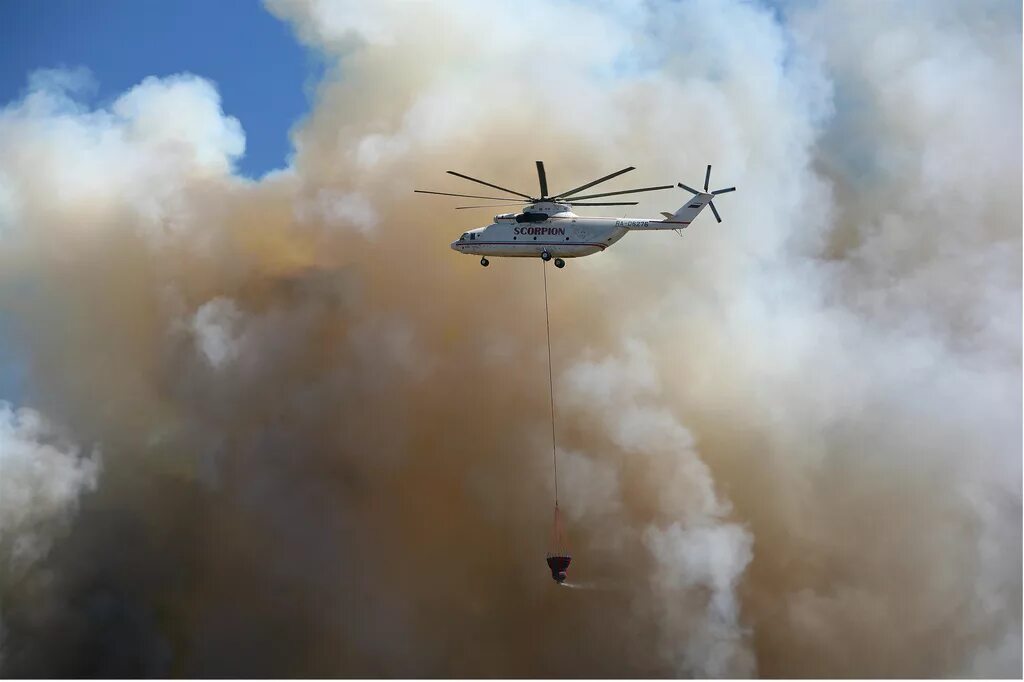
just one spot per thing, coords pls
(789, 445)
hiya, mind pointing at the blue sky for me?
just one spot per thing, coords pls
(262, 73)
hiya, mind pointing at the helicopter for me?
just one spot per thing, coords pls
(547, 228)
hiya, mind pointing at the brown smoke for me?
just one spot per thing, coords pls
(789, 445)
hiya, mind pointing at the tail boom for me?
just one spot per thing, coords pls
(682, 218)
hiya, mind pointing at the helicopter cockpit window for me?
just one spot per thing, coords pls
(531, 217)
(464, 237)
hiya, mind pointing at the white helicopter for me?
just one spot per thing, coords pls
(548, 228)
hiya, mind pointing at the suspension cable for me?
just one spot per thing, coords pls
(551, 382)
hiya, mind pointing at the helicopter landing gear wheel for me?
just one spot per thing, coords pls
(559, 263)
(545, 256)
(484, 262)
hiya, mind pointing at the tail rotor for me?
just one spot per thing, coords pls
(713, 193)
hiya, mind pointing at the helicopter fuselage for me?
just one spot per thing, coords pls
(540, 229)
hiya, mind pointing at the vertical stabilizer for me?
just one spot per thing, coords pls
(688, 212)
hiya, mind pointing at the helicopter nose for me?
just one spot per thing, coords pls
(455, 245)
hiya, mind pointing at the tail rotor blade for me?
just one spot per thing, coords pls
(689, 189)
(542, 176)
(723, 191)
(707, 178)
(715, 211)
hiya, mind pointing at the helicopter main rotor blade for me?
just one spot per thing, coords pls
(467, 196)
(609, 203)
(707, 178)
(715, 211)
(625, 191)
(595, 182)
(503, 189)
(723, 191)
(458, 208)
(542, 176)
(690, 189)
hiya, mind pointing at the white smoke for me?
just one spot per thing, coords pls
(216, 329)
(42, 477)
(699, 555)
(75, 172)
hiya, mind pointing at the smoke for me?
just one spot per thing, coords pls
(790, 442)
(43, 478)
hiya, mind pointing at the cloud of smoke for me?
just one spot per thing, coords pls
(43, 478)
(791, 443)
